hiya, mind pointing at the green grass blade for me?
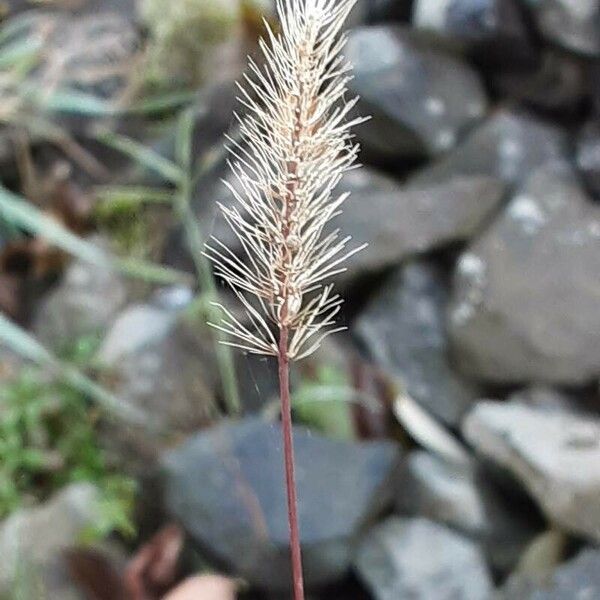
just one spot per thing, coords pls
(119, 195)
(26, 346)
(15, 52)
(18, 212)
(159, 103)
(72, 101)
(143, 156)
(195, 242)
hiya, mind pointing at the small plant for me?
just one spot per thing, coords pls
(48, 440)
(296, 145)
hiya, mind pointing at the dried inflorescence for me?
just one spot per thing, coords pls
(295, 146)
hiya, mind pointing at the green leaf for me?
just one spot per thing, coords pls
(325, 403)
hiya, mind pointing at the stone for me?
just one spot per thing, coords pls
(473, 21)
(464, 498)
(548, 398)
(573, 24)
(508, 145)
(84, 302)
(421, 99)
(577, 579)
(226, 487)
(386, 11)
(418, 559)
(398, 221)
(524, 306)
(588, 156)
(403, 331)
(32, 540)
(555, 81)
(162, 366)
(555, 455)
(138, 326)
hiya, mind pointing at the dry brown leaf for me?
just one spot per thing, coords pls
(154, 568)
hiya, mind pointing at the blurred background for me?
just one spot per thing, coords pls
(448, 443)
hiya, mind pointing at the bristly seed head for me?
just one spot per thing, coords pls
(295, 146)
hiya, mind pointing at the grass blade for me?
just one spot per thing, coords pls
(20, 213)
(143, 156)
(25, 345)
(132, 195)
(195, 242)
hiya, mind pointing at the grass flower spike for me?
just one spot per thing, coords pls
(295, 145)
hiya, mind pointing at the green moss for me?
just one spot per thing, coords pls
(128, 224)
(48, 440)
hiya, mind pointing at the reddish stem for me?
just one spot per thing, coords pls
(288, 452)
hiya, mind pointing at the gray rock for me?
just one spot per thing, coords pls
(418, 559)
(508, 145)
(524, 306)
(137, 327)
(466, 500)
(556, 80)
(403, 331)
(442, 492)
(31, 541)
(398, 222)
(578, 579)
(546, 398)
(226, 486)
(588, 156)
(421, 99)
(473, 20)
(161, 365)
(555, 455)
(85, 301)
(386, 11)
(574, 24)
